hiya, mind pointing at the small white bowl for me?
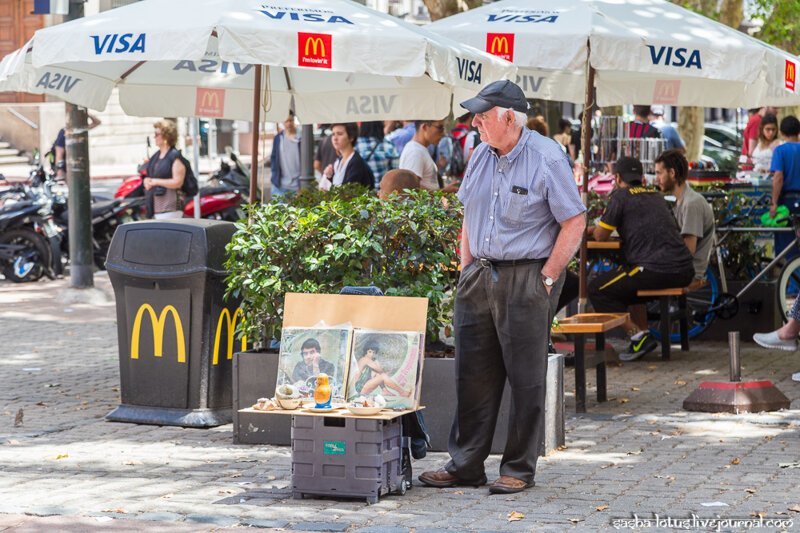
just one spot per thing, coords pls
(289, 403)
(364, 411)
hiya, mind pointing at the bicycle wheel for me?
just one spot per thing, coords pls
(788, 286)
(698, 302)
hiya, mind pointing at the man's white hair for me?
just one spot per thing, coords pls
(520, 119)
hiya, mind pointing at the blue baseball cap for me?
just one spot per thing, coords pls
(503, 93)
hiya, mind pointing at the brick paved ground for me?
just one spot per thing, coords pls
(65, 468)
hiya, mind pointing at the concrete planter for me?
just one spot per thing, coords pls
(254, 377)
(255, 374)
(439, 395)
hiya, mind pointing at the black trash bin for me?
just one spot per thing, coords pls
(175, 330)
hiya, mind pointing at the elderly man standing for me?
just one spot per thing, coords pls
(523, 221)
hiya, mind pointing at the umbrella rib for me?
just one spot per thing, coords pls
(288, 80)
(131, 70)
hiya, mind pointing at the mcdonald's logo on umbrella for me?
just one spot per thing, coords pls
(790, 76)
(209, 102)
(230, 322)
(501, 45)
(314, 50)
(666, 92)
(158, 322)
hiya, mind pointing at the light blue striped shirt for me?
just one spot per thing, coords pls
(514, 204)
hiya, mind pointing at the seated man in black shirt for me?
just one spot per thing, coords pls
(655, 256)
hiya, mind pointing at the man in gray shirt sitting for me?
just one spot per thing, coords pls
(693, 213)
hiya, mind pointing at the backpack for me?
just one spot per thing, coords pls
(456, 165)
(190, 187)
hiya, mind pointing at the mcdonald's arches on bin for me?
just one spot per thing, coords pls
(641, 50)
(229, 321)
(319, 54)
(158, 323)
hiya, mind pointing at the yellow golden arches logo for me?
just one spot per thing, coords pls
(791, 75)
(316, 45)
(210, 99)
(499, 45)
(230, 321)
(158, 323)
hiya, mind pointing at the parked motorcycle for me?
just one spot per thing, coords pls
(221, 200)
(29, 239)
(106, 214)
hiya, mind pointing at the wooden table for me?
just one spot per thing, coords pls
(613, 244)
(586, 324)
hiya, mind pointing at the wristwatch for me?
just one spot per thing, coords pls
(548, 281)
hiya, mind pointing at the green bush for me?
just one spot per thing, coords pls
(319, 242)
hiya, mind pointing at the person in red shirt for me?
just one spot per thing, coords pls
(640, 128)
(750, 135)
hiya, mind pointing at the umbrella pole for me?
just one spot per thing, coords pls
(254, 140)
(587, 159)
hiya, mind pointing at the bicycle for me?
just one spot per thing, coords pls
(714, 300)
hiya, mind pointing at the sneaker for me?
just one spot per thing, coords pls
(773, 342)
(796, 376)
(639, 348)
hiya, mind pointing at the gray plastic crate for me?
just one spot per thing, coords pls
(348, 457)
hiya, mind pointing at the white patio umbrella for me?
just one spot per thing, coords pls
(631, 51)
(212, 87)
(329, 60)
(641, 51)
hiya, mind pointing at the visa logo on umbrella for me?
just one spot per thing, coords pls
(211, 66)
(57, 82)
(365, 105)
(469, 70)
(118, 43)
(522, 18)
(305, 17)
(501, 45)
(314, 50)
(674, 57)
(530, 83)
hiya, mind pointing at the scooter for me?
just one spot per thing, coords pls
(221, 201)
(29, 239)
(106, 213)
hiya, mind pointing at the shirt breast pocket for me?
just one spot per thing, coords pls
(517, 209)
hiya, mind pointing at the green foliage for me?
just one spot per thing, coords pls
(740, 252)
(319, 242)
(781, 23)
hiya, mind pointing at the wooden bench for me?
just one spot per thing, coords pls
(586, 324)
(665, 325)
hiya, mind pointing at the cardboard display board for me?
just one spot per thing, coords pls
(371, 312)
(370, 315)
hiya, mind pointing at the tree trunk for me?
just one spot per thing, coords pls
(691, 120)
(691, 125)
(731, 13)
(444, 8)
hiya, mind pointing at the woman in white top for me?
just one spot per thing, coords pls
(767, 141)
(349, 167)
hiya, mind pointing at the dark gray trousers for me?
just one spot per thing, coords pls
(502, 326)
